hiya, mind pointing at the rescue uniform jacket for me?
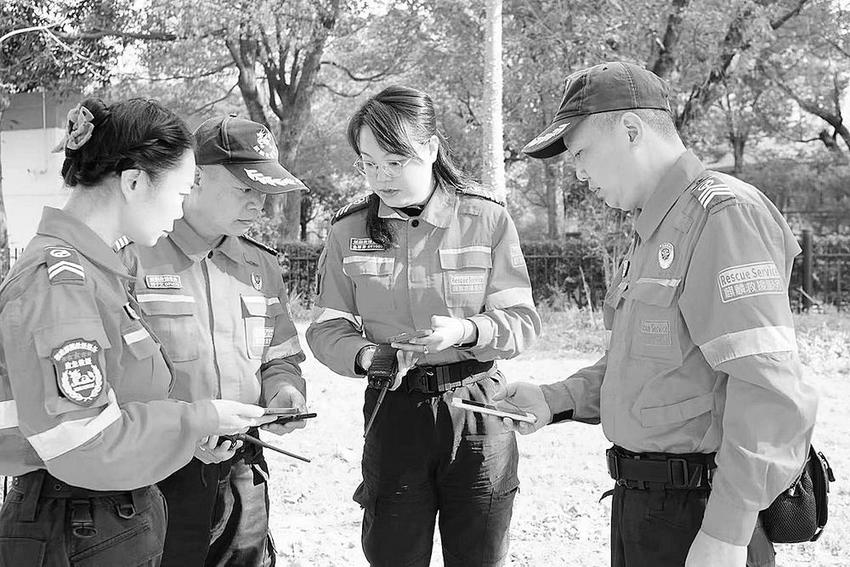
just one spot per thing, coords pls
(461, 258)
(222, 313)
(83, 382)
(702, 355)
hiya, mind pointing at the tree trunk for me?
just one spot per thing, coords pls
(492, 151)
(738, 142)
(553, 210)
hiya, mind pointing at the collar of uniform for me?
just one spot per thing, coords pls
(194, 246)
(438, 211)
(59, 224)
(675, 181)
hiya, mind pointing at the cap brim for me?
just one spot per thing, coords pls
(266, 177)
(550, 142)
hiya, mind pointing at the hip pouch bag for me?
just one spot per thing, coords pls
(799, 513)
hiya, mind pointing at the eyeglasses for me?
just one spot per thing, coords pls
(390, 168)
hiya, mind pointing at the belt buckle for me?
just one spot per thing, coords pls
(671, 468)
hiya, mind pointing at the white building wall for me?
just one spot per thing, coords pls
(30, 179)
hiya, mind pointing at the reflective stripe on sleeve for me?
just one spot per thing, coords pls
(284, 349)
(659, 281)
(746, 343)
(328, 314)
(148, 297)
(8, 414)
(509, 298)
(69, 435)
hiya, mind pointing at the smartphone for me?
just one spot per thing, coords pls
(405, 337)
(280, 411)
(294, 417)
(489, 409)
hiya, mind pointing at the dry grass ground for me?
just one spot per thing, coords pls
(558, 519)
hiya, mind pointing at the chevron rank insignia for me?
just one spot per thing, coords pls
(712, 191)
(63, 265)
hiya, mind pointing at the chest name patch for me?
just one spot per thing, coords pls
(163, 281)
(461, 284)
(749, 280)
(656, 332)
(364, 245)
(78, 373)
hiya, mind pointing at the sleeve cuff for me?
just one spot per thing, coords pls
(486, 331)
(727, 522)
(560, 402)
(205, 417)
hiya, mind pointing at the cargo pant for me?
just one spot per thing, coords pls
(46, 523)
(424, 456)
(218, 517)
(657, 526)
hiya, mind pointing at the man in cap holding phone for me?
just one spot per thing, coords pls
(700, 389)
(217, 301)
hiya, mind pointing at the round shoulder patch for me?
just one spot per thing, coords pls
(78, 373)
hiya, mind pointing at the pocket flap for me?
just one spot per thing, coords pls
(466, 257)
(166, 304)
(655, 291)
(48, 339)
(139, 342)
(678, 412)
(367, 266)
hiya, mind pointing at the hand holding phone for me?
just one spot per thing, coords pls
(489, 409)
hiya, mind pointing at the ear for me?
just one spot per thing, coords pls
(130, 183)
(633, 127)
(433, 148)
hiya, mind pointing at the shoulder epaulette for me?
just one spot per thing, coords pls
(711, 191)
(351, 208)
(481, 194)
(260, 245)
(121, 243)
(63, 265)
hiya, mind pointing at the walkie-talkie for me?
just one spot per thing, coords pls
(381, 374)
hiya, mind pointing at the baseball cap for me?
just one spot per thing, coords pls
(605, 87)
(248, 150)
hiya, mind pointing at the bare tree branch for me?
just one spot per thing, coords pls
(379, 75)
(214, 102)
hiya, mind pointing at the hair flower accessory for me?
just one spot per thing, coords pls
(80, 128)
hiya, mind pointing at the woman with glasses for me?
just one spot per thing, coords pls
(85, 426)
(428, 254)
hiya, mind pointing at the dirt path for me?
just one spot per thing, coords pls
(558, 520)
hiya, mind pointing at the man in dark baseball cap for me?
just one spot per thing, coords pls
(219, 307)
(247, 150)
(700, 390)
(606, 87)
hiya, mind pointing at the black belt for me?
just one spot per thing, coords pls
(445, 377)
(660, 470)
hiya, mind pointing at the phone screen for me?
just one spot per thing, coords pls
(280, 411)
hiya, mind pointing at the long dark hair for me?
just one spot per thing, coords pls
(132, 134)
(400, 116)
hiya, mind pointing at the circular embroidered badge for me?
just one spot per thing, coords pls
(78, 373)
(666, 253)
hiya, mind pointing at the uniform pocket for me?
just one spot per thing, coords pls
(259, 313)
(465, 275)
(372, 277)
(656, 323)
(171, 316)
(139, 341)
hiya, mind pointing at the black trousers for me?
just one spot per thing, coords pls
(37, 525)
(217, 516)
(656, 527)
(424, 457)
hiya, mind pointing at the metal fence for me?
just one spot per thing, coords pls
(558, 279)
